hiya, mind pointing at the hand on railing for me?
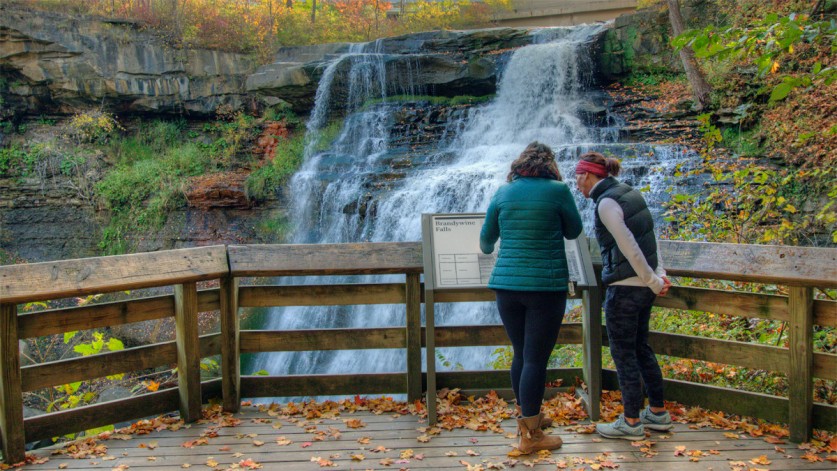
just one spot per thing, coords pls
(666, 286)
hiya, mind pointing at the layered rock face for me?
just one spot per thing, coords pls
(55, 63)
(439, 63)
(52, 63)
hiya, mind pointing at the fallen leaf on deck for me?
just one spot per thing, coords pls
(354, 423)
(249, 464)
(811, 458)
(762, 459)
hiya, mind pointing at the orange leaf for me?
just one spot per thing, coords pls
(810, 457)
(761, 460)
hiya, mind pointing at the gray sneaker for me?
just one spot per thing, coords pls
(621, 429)
(660, 423)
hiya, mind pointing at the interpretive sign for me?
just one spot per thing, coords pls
(453, 258)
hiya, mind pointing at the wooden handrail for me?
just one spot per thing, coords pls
(781, 264)
(54, 280)
(325, 259)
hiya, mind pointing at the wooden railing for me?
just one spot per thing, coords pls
(801, 269)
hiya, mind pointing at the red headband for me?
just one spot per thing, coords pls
(584, 166)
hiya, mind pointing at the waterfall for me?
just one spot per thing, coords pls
(543, 94)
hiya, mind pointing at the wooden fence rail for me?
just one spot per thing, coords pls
(800, 269)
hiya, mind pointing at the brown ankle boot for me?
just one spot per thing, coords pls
(532, 438)
(546, 422)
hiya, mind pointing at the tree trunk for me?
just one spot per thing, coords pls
(700, 88)
(313, 11)
(817, 8)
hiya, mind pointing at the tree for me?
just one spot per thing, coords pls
(700, 87)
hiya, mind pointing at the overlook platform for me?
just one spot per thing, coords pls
(221, 283)
(394, 441)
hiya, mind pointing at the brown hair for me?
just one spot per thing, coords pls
(536, 160)
(610, 164)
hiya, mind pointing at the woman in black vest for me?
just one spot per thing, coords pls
(633, 275)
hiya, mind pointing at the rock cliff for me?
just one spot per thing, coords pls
(57, 63)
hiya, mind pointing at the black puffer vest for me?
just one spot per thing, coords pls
(615, 266)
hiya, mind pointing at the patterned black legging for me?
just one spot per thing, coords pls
(627, 314)
(532, 320)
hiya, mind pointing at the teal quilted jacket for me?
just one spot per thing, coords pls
(531, 216)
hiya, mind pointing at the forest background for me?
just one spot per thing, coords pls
(767, 138)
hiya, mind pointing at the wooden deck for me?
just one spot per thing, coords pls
(392, 441)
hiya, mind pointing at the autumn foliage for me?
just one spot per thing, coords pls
(262, 26)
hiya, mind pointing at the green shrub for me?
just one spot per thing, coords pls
(11, 160)
(92, 126)
(263, 182)
(148, 180)
(651, 78)
(283, 112)
(743, 143)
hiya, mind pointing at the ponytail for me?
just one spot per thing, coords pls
(611, 165)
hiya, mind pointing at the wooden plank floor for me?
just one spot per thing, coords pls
(264, 439)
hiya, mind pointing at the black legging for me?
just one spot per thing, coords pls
(532, 320)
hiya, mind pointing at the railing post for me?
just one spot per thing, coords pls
(11, 396)
(230, 360)
(800, 376)
(592, 348)
(430, 353)
(188, 350)
(413, 303)
(591, 322)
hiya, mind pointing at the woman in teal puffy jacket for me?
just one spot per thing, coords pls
(531, 214)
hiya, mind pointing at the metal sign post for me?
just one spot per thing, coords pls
(453, 259)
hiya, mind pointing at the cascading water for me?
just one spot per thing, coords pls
(543, 94)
